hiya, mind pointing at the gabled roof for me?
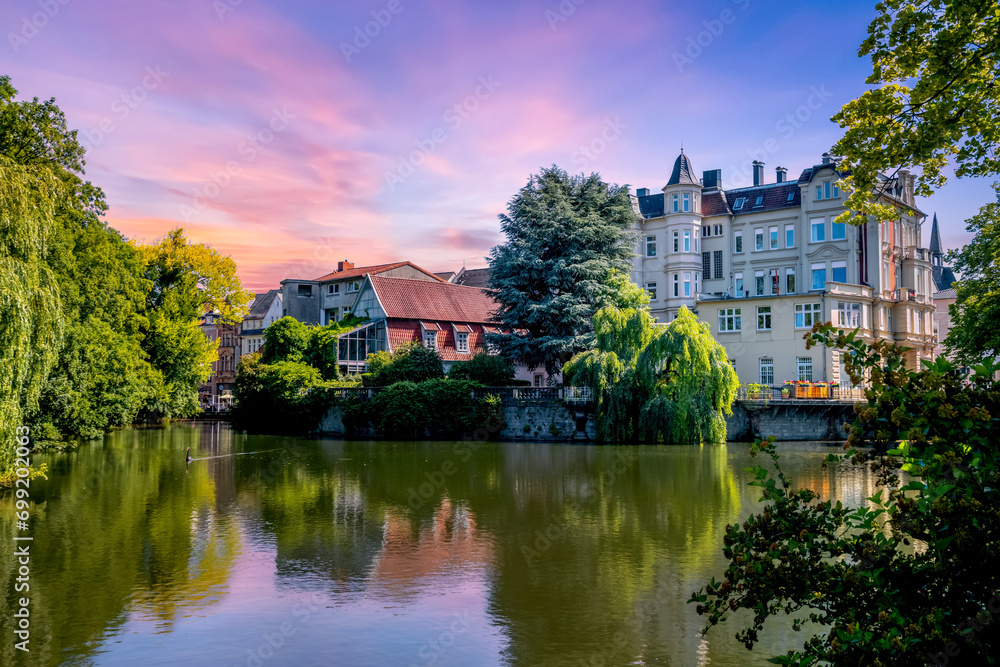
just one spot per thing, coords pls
(261, 304)
(404, 298)
(361, 271)
(683, 173)
(473, 277)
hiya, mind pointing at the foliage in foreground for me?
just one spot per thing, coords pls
(95, 331)
(671, 384)
(933, 99)
(974, 333)
(908, 579)
(441, 407)
(566, 238)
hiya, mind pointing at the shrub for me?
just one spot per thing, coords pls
(907, 578)
(489, 370)
(412, 362)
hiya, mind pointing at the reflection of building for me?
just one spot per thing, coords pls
(329, 298)
(219, 387)
(264, 310)
(762, 264)
(451, 542)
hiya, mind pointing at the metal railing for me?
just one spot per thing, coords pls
(817, 392)
(577, 395)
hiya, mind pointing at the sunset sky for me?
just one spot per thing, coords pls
(282, 134)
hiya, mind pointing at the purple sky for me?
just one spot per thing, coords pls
(282, 134)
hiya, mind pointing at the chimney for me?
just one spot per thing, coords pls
(711, 179)
(758, 172)
(781, 173)
(343, 266)
(642, 192)
(826, 158)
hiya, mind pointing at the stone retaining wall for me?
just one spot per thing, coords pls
(556, 422)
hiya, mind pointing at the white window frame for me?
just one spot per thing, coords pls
(806, 315)
(767, 364)
(833, 268)
(804, 369)
(687, 240)
(819, 266)
(738, 284)
(687, 202)
(764, 317)
(687, 284)
(738, 242)
(730, 320)
(758, 239)
(651, 246)
(430, 339)
(772, 237)
(676, 201)
(758, 283)
(462, 341)
(814, 225)
(792, 286)
(789, 236)
(651, 289)
(834, 227)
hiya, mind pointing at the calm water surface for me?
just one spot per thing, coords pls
(286, 551)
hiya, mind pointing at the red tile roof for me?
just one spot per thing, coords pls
(401, 332)
(408, 299)
(714, 203)
(360, 271)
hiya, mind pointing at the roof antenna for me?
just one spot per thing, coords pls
(682, 148)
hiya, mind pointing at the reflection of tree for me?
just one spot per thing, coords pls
(117, 532)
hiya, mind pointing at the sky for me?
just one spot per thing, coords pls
(295, 134)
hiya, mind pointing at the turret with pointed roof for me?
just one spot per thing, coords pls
(683, 173)
(943, 275)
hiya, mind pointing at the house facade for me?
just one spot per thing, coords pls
(453, 319)
(762, 264)
(264, 310)
(218, 389)
(330, 298)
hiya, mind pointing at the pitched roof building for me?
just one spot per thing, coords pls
(330, 297)
(762, 263)
(450, 318)
(264, 310)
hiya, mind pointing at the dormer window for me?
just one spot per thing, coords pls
(462, 342)
(738, 204)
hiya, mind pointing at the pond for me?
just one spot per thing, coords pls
(288, 551)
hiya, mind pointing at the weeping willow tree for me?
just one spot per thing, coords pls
(30, 321)
(656, 383)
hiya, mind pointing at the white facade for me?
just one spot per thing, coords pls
(763, 263)
(264, 311)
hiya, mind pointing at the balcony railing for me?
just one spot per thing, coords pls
(756, 393)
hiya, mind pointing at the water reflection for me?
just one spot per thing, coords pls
(386, 553)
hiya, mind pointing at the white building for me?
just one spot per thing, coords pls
(264, 310)
(761, 264)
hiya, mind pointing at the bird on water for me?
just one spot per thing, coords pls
(188, 458)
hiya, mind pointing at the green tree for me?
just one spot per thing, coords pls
(653, 383)
(31, 326)
(286, 339)
(412, 362)
(903, 579)
(973, 334)
(565, 238)
(186, 279)
(489, 370)
(934, 72)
